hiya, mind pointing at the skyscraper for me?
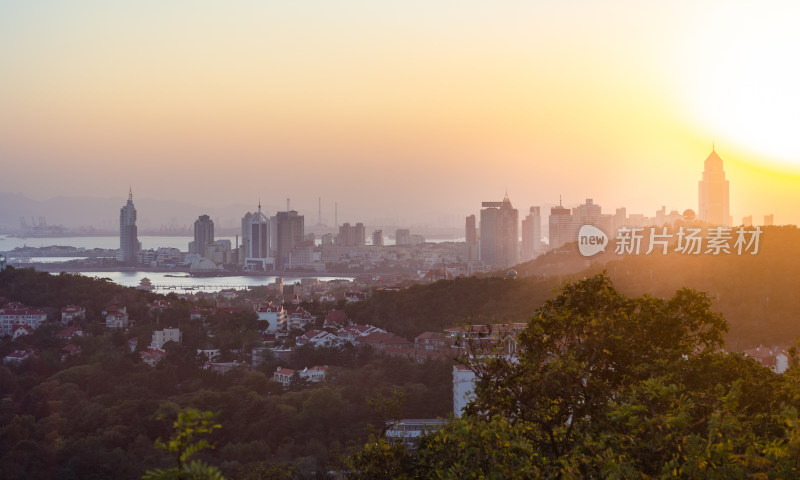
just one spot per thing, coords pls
(203, 235)
(377, 238)
(499, 234)
(714, 190)
(290, 231)
(562, 228)
(531, 233)
(255, 239)
(129, 245)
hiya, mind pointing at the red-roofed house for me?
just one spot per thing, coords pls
(353, 297)
(69, 332)
(70, 350)
(283, 376)
(274, 314)
(317, 338)
(351, 332)
(18, 356)
(335, 319)
(159, 305)
(20, 331)
(116, 317)
(298, 318)
(152, 356)
(381, 341)
(15, 313)
(70, 313)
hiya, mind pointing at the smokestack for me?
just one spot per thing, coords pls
(336, 214)
(319, 215)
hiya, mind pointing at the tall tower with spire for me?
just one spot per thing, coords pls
(129, 245)
(714, 192)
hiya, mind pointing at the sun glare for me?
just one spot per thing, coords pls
(743, 83)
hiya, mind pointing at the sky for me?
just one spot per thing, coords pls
(405, 111)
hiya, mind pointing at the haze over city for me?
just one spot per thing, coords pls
(414, 111)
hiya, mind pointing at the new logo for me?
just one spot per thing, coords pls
(591, 240)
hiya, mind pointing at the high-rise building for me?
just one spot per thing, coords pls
(203, 235)
(402, 236)
(561, 226)
(471, 232)
(714, 190)
(255, 240)
(377, 238)
(129, 245)
(290, 231)
(499, 245)
(531, 233)
(769, 220)
(351, 236)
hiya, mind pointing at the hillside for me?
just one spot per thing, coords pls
(757, 294)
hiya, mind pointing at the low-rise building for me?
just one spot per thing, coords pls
(160, 337)
(274, 314)
(15, 313)
(317, 338)
(116, 317)
(314, 374)
(298, 318)
(152, 356)
(69, 332)
(20, 331)
(71, 313)
(17, 356)
(351, 333)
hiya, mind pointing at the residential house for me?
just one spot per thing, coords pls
(116, 317)
(20, 331)
(352, 332)
(160, 337)
(317, 338)
(15, 313)
(70, 350)
(17, 356)
(71, 313)
(314, 374)
(335, 319)
(152, 356)
(298, 318)
(432, 342)
(69, 332)
(274, 314)
(382, 341)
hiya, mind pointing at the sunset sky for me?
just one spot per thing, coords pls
(408, 110)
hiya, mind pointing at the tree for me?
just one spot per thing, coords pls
(606, 386)
(185, 444)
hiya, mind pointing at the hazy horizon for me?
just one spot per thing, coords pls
(412, 112)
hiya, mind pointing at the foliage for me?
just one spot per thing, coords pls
(185, 444)
(607, 386)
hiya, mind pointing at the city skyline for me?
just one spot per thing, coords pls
(388, 110)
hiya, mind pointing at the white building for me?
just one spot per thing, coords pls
(70, 313)
(160, 337)
(15, 313)
(274, 314)
(116, 317)
(463, 388)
